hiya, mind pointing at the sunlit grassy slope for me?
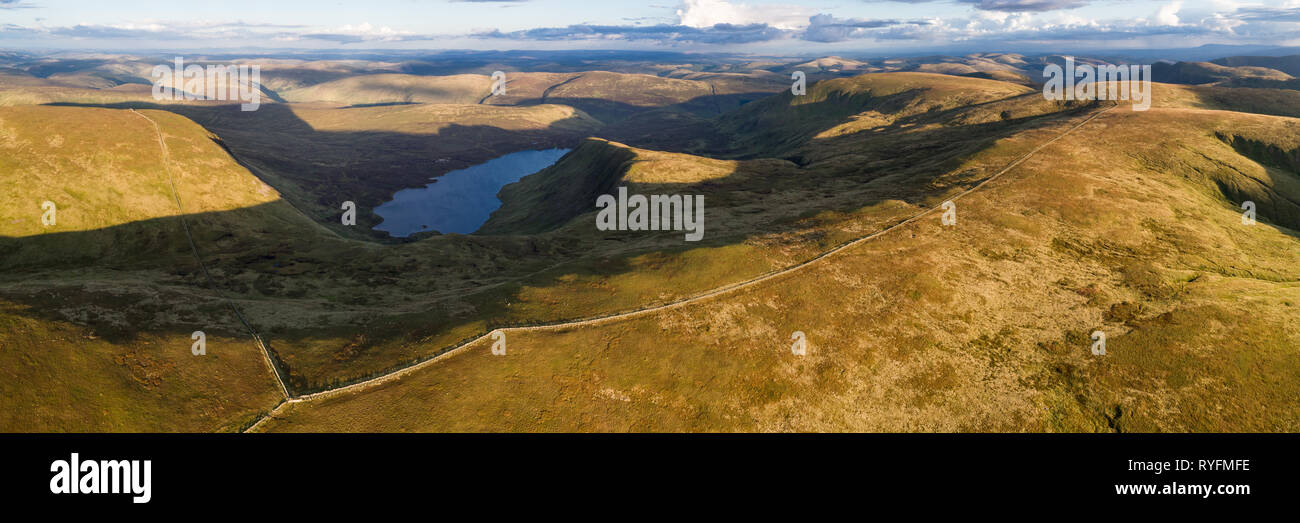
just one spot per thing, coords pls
(35, 95)
(607, 95)
(1127, 226)
(103, 168)
(764, 214)
(1278, 102)
(978, 327)
(97, 310)
(337, 310)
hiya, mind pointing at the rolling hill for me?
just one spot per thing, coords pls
(1206, 72)
(98, 309)
(395, 88)
(822, 217)
(983, 326)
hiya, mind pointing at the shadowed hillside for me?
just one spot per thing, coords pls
(332, 310)
(983, 326)
(96, 319)
(778, 124)
(1130, 225)
(1205, 72)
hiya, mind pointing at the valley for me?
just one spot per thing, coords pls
(822, 217)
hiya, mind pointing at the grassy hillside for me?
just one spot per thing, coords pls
(334, 312)
(28, 92)
(395, 88)
(102, 168)
(362, 138)
(983, 326)
(779, 124)
(1286, 64)
(1206, 72)
(608, 96)
(1003, 76)
(97, 311)
(1131, 226)
(320, 155)
(551, 198)
(555, 196)
(1278, 102)
(656, 102)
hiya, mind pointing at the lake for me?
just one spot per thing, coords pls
(461, 200)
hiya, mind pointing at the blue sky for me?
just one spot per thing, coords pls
(759, 26)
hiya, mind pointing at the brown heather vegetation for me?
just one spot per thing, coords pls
(980, 327)
(1131, 225)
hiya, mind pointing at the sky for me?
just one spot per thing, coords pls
(755, 26)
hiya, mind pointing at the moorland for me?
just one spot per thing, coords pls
(823, 217)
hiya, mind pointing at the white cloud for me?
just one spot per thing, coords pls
(365, 29)
(698, 25)
(707, 13)
(1168, 13)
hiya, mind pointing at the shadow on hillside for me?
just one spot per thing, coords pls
(1273, 101)
(336, 311)
(680, 127)
(913, 144)
(318, 170)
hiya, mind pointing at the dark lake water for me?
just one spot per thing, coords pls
(462, 200)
